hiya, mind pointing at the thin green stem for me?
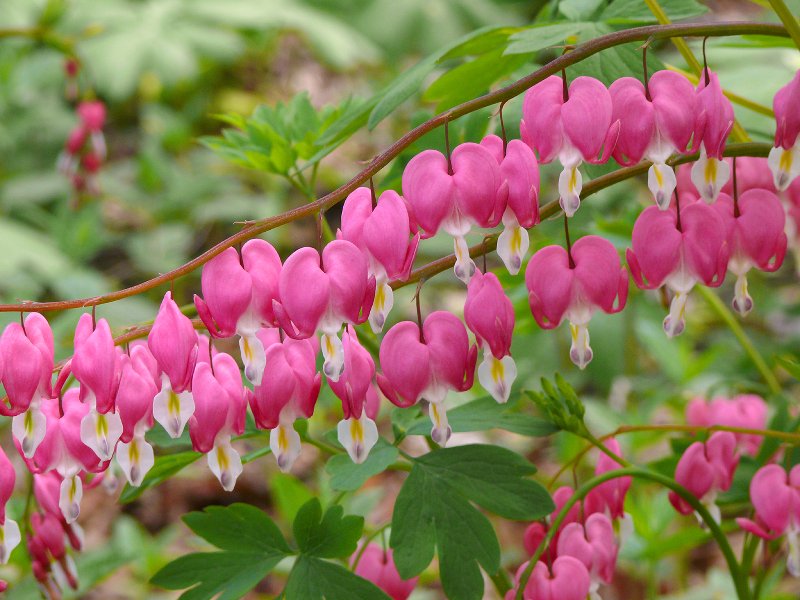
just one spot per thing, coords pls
(788, 19)
(502, 582)
(367, 540)
(740, 583)
(722, 311)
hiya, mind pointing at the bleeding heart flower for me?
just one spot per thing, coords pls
(382, 233)
(609, 497)
(219, 414)
(454, 194)
(96, 367)
(93, 117)
(137, 387)
(594, 544)
(784, 158)
(655, 122)
(572, 124)
(290, 392)
(489, 314)
(567, 579)
(746, 411)
(26, 353)
(173, 343)
(573, 285)
(537, 531)
(9, 530)
(755, 233)
(238, 294)
(713, 125)
(377, 565)
(323, 294)
(678, 248)
(705, 469)
(775, 495)
(427, 362)
(357, 431)
(519, 194)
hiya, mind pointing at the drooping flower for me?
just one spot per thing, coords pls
(9, 530)
(455, 194)
(775, 495)
(678, 248)
(784, 158)
(567, 579)
(705, 469)
(137, 387)
(519, 190)
(426, 363)
(489, 314)
(95, 365)
(573, 285)
(173, 343)
(713, 125)
(609, 497)
(323, 294)
(290, 392)
(537, 531)
(747, 411)
(377, 565)
(357, 431)
(26, 353)
(655, 122)
(382, 234)
(220, 409)
(573, 124)
(755, 223)
(238, 294)
(595, 545)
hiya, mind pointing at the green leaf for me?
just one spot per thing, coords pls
(165, 467)
(578, 10)
(251, 547)
(539, 37)
(480, 42)
(635, 11)
(484, 414)
(314, 579)
(401, 89)
(348, 476)
(238, 528)
(791, 366)
(433, 513)
(290, 494)
(331, 535)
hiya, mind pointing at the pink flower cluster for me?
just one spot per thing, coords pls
(85, 149)
(582, 554)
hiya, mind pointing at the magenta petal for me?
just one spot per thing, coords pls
(173, 343)
(95, 363)
(550, 284)
(227, 290)
(346, 268)
(675, 105)
(705, 243)
(355, 382)
(489, 313)
(405, 362)
(356, 210)
(304, 290)
(717, 112)
(542, 128)
(597, 267)
(22, 369)
(476, 175)
(656, 246)
(210, 408)
(429, 189)
(587, 116)
(263, 264)
(448, 347)
(521, 171)
(637, 119)
(787, 119)
(386, 235)
(760, 229)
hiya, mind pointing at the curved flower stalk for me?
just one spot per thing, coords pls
(755, 223)
(714, 123)
(518, 194)
(705, 469)
(656, 121)
(382, 233)
(95, 365)
(489, 314)
(173, 343)
(678, 248)
(572, 284)
(775, 495)
(220, 410)
(357, 431)
(426, 362)
(784, 158)
(26, 356)
(573, 124)
(455, 194)
(322, 294)
(377, 565)
(137, 387)
(238, 292)
(290, 392)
